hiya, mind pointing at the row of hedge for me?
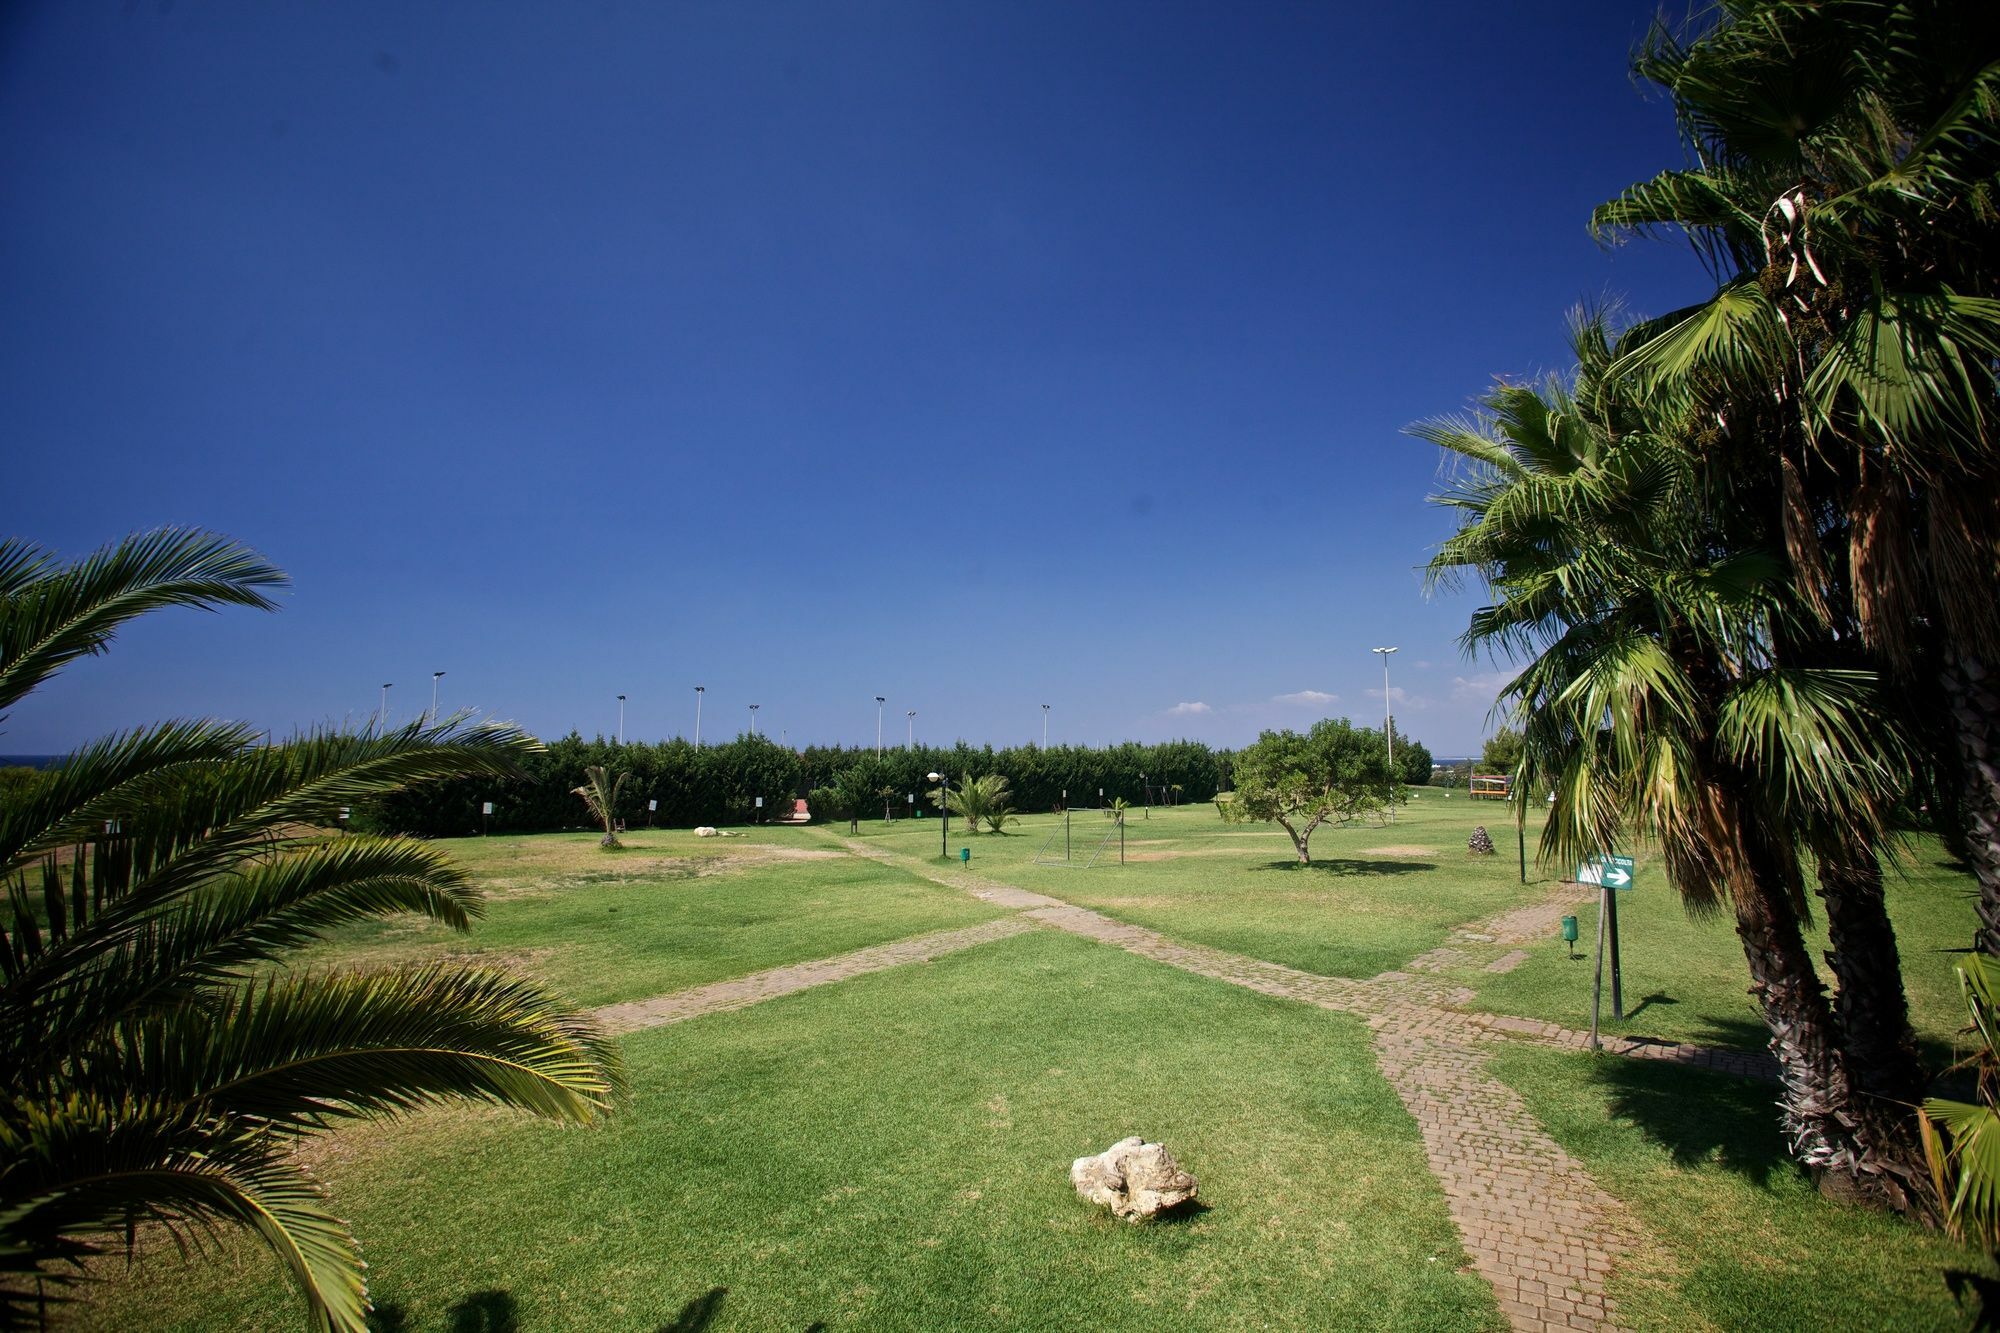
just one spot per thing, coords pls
(721, 784)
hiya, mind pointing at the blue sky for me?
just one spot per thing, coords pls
(975, 355)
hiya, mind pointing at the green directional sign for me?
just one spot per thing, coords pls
(1606, 869)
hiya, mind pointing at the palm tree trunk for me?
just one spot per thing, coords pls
(1793, 1001)
(1873, 1014)
(1971, 694)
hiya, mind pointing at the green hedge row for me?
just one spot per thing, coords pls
(720, 784)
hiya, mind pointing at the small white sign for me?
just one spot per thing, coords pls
(760, 803)
(652, 805)
(486, 808)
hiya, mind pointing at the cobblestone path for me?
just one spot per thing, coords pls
(1537, 1227)
(742, 992)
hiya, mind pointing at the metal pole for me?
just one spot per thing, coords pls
(1389, 729)
(878, 725)
(910, 740)
(382, 720)
(944, 816)
(621, 719)
(436, 676)
(1521, 835)
(1597, 989)
(1045, 726)
(1617, 973)
(753, 718)
(697, 716)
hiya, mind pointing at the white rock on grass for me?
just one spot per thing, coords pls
(705, 832)
(1133, 1178)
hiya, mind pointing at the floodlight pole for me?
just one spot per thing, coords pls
(382, 718)
(878, 726)
(697, 716)
(753, 718)
(1045, 726)
(436, 676)
(1389, 730)
(621, 719)
(910, 741)
(944, 814)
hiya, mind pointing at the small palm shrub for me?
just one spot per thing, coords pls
(600, 793)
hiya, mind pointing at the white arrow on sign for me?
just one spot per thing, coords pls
(1616, 877)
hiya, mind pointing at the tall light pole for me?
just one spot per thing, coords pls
(382, 718)
(436, 676)
(944, 814)
(697, 716)
(621, 719)
(753, 718)
(879, 701)
(910, 741)
(1388, 725)
(1045, 726)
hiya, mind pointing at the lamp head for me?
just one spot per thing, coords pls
(935, 777)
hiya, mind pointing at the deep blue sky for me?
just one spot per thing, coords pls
(975, 355)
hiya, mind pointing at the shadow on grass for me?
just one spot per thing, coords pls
(1338, 866)
(1182, 1213)
(698, 1313)
(1699, 1118)
(485, 1312)
(1647, 1002)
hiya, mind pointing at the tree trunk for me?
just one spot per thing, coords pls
(1874, 1016)
(1299, 840)
(1877, 1048)
(1971, 694)
(1793, 1002)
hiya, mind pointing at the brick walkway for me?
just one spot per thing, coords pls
(742, 992)
(1537, 1227)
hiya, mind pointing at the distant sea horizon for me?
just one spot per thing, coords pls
(29, 760)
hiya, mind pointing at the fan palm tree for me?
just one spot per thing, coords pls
(1846, 190)
(1663, 699)
(600, 792)
(161, 1061)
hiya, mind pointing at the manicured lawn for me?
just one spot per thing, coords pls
(1743, 1241)
(1685, 979)
(1375, 896)
(892, 1152)
(670, 911)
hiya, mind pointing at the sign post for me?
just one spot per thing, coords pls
(485, 813)
(1612, 874)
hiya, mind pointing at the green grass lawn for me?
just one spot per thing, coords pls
(1376, 895)
(1743, 1241)
(892, 1152)
(1685, 979)
(670, 911)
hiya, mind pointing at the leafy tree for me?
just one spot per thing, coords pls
(159, 1068)
(1842, 187)
(1673, 693)
(1335, 773)
(599, 791)
(1502, 752)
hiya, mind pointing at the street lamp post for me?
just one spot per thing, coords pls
(1045, 726)
(382, 718)
(944, 814)
(910, 740)
(1388, 727)
(436, 676)
(697, 716)
(753, 718)
(878, 724)
(621, 719)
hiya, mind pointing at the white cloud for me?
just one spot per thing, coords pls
(1189, 709)
(1423, 666)
(1481, 688)
(1306, 698)
(1400, 696)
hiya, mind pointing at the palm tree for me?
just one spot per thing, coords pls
(600, 792)
(1846, 156)
(162, 1062)
(1664, 698)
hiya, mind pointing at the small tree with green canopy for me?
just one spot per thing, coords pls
(600, 792)
(1336, 773)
